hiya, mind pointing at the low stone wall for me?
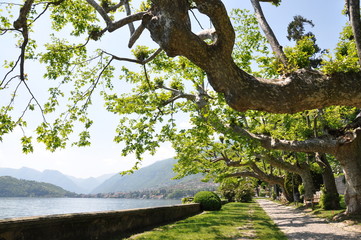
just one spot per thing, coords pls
(341, 184)
(111, 225)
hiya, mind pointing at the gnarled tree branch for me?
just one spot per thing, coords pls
(169, 26)
(142, 62)
(136, 34)
(128, 11)
(271, 37)
(217, 13)
(124, 21)
(114, 7)
(324, 145)
(271, 179)
(101, 11)
(301, 90)
(23, 15)
(22, 23)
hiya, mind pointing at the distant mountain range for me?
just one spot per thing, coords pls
(57, 178)
(13, 187)
(156, 176)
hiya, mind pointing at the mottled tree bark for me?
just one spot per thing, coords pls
(307, 181)
(328, 180)
(349, 155)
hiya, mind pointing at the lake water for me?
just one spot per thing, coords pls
(23, 207)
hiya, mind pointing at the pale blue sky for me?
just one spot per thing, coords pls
(104, 155)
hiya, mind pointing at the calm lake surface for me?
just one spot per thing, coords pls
(23, 207)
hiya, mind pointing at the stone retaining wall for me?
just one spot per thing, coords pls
(111, 225)
(341, 184)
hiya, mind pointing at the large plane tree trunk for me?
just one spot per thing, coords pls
(329, 182)
(286, 194)
(349, 155)
(307, 181)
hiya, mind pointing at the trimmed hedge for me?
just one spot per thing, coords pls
(209, 201)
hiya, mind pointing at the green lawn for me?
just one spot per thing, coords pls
(234, 221)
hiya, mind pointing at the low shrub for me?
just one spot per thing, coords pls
(186, 200)
(209, 200)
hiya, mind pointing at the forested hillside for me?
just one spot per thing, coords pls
(12, 187)
(156, 176)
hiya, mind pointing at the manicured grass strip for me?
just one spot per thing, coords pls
(234, 221)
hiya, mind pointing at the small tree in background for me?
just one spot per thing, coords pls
(237, 189)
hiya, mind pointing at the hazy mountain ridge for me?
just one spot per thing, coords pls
(13, 187)
(155, 176)
(57, 178)
(88, 184)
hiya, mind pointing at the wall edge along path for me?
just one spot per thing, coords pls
(109, 225)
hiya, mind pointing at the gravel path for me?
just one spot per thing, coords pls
(297, 225)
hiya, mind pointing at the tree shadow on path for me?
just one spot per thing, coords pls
(296, 225)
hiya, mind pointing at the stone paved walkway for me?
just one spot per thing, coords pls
(298, 226)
